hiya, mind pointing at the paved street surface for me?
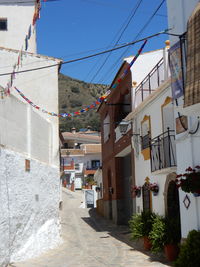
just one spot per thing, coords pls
(91, 241)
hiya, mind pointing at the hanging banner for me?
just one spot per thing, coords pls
(176, 70)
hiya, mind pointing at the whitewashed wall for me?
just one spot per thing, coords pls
(19, 17)
(23, 130)
(41, 87)
(143, 167)
(179, 12)
(187, 145)
(188, 154)
(29, 222)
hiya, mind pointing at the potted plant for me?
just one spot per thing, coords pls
(154, 188)
(190, 251)
(141, 225)
(190, 181)
(165, 235)
(172, 238)
(136, 190)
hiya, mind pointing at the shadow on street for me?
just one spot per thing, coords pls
(120, 232)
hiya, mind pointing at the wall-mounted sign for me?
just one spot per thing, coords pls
(181, 124)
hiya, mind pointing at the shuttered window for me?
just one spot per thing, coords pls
(192, 89)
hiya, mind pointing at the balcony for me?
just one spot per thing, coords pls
(163, 151)
(151, 82)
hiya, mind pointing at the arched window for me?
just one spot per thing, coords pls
(106, 128)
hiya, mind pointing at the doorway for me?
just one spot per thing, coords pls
(173, 205)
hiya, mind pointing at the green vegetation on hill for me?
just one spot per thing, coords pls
(75, 95)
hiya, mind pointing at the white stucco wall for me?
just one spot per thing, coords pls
(29, 221)
(187, 145)
(24, 131)
(144, 64)
(143, 167)
(188, 154)
(41, 87)
(19, 18)
(179, 12)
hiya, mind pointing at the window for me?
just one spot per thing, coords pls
(95, 164)
(167, 114)
(145, 130)
(27, 165)
(106, 128)
(3, 24)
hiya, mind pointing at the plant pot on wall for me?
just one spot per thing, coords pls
(196, 194)
(171, 251)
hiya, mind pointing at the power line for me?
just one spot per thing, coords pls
(140, 32)
(120, 36)
(89, 56)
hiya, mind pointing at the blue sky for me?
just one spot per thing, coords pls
(72, 29)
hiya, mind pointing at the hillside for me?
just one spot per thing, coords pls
(73, 96)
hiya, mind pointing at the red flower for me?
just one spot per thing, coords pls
(189, 169)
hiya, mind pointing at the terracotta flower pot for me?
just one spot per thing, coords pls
(171, 251)
(147, 243)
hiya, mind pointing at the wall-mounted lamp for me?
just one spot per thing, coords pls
(123, 126)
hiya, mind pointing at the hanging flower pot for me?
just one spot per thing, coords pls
(190, 181)
(196, 194)
(136, 191)
(154, 188)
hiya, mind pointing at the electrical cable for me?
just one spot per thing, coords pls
(89, 56)
(140, 32)
(127, 24)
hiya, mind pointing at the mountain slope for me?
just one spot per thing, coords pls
(75, 95)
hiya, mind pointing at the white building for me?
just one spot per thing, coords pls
(29, 146)
(187, 110)
(81, 155)
(153, 140)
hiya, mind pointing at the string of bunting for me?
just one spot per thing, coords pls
(94, 104)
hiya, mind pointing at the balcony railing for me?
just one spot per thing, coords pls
(151, 82)
(163, 151)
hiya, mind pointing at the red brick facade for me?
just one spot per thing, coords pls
(112, 164)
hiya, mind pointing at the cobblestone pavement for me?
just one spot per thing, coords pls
(91, 241)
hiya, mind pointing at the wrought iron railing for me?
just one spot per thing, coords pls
(151, 82)
(163, 151)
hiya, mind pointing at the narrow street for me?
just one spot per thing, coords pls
(90, 241)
